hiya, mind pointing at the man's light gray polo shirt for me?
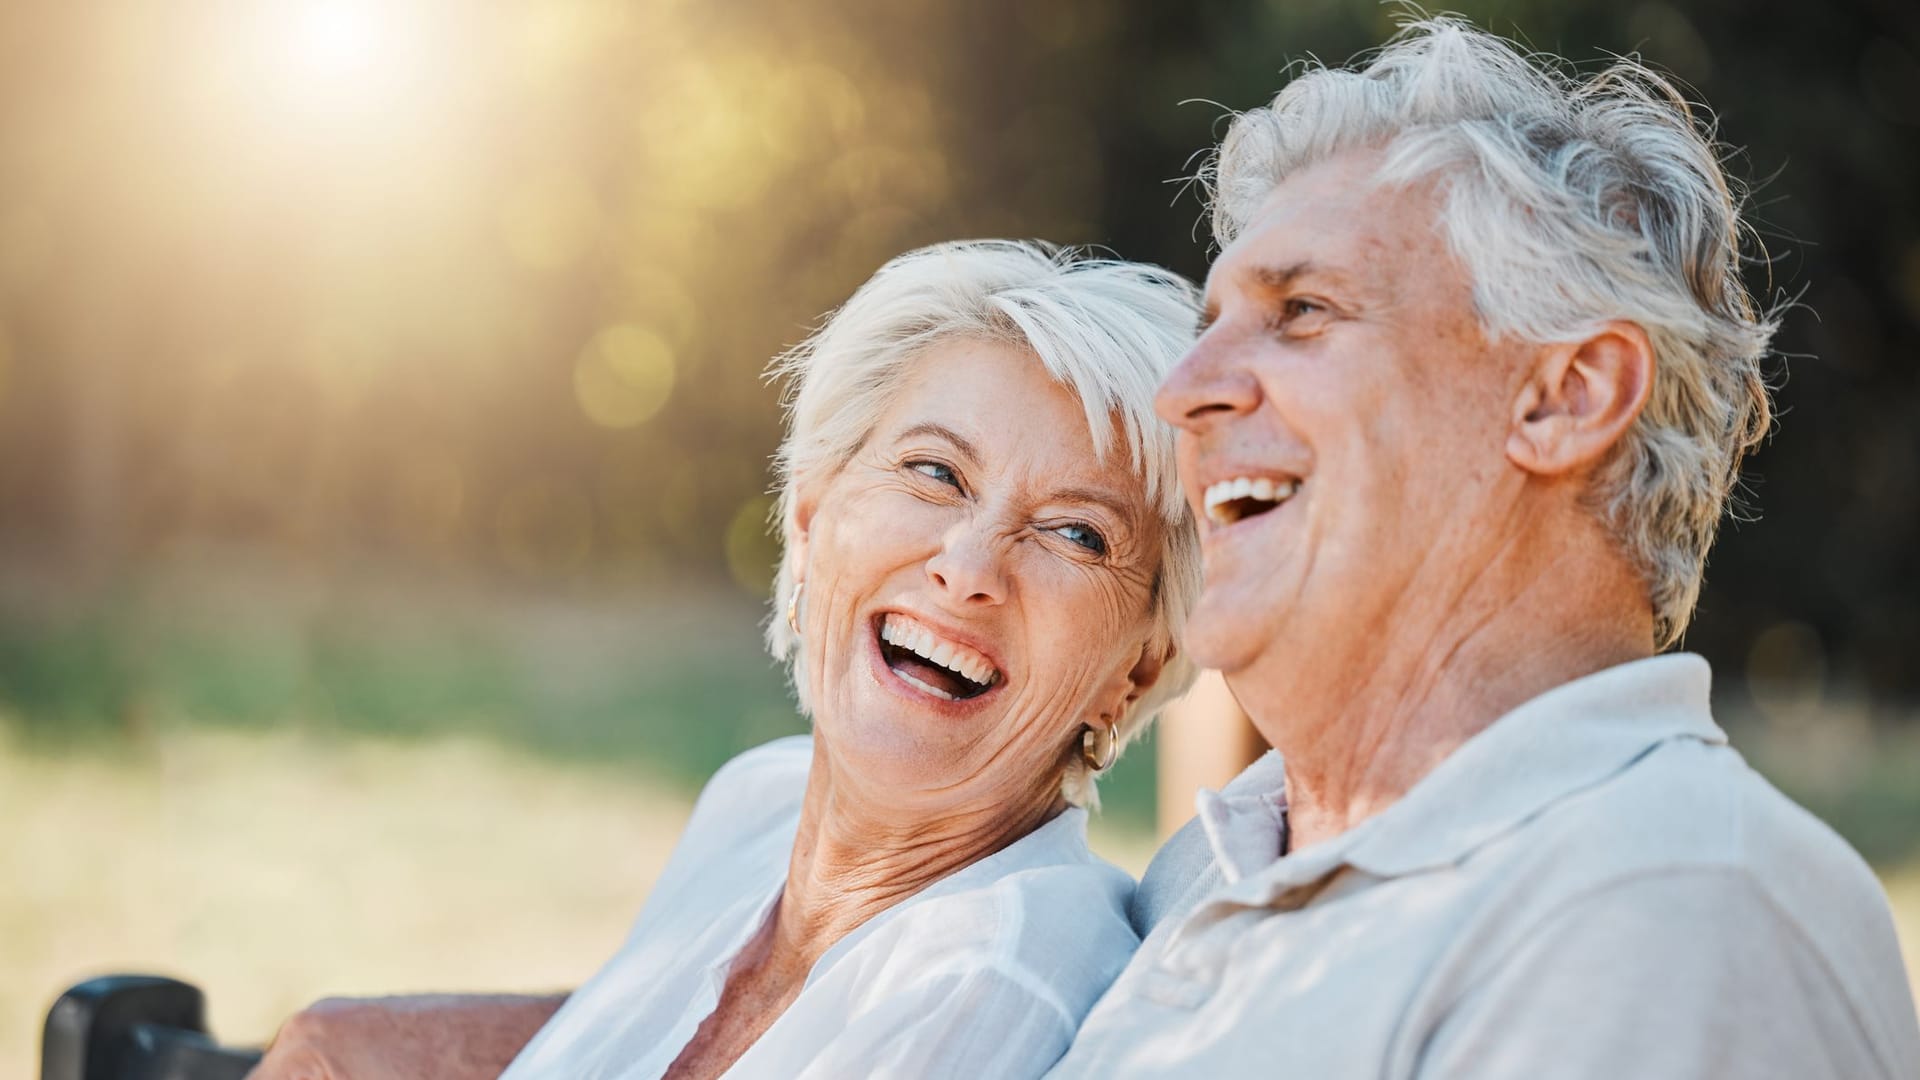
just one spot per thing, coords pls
(1596, 885)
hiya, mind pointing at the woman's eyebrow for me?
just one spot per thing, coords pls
(941, 431)
(1120, 507)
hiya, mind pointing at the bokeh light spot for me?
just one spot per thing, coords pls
(623, 376)
(751, 550)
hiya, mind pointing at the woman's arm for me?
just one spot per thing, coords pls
(423, 1036)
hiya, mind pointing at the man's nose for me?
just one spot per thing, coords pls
(1208, 384)
(969, 569)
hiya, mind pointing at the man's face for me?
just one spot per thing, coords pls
(1343, 381)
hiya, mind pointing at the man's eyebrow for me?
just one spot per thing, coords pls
(941, 431)
(1282, 278)
(1279, 277)
(1272, 279)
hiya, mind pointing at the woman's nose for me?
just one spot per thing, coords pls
(968, 567)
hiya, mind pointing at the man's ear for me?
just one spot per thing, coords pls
(1580, 400)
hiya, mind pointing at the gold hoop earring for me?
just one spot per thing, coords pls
(1103, 762)
(793, 608)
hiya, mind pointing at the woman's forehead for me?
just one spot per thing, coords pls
(1056, 459)
(997, 405)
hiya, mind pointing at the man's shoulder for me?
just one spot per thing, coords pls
(1692, 805)
(1696, 810)
(1691, 857)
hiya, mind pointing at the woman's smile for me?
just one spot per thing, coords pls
(933, 660)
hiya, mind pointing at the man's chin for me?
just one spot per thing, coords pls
(1224, 636)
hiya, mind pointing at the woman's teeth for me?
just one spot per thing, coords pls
(934, 690)
(904, 633)
(1243, 497)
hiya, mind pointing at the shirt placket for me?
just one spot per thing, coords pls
(1204, 947)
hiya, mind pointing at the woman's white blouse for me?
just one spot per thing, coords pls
(985, 973)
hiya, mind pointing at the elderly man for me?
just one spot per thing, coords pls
(1477, 374)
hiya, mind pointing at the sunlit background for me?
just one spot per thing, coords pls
(383, 436)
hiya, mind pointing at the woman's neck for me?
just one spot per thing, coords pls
(854, 858)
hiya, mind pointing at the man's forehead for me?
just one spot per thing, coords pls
(1327, 223)
(1281, 250)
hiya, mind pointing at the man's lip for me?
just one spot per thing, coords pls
(1209, 528)
(1215, 474)
(947, 631)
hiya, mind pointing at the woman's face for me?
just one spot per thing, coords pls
(978, 587)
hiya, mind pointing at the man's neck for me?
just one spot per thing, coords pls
(1366, 731)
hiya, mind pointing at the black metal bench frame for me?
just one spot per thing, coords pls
(136, 1027)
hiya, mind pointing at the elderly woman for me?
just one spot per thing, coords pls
(986, 558)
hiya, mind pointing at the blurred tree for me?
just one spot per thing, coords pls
(491, 289)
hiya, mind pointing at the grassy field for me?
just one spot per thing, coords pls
(272, 868)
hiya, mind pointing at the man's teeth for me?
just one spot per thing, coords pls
(1220, 496)
(900, 631)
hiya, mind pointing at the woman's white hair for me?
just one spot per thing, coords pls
(1571, 202)
(1107, 330)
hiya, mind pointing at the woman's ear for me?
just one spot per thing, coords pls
(1580, 400)
(1154, 657)
(799, 523)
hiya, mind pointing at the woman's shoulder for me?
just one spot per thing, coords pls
(1060, 889)
(737, 840)
(756, 788)
(783, 762)
(1044, 908)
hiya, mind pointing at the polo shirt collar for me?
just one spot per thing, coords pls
(1246, 821)
(1559, 743)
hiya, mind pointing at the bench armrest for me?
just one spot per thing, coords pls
(136, 1027)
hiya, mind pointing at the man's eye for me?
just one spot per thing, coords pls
(936, 470)
(1294, 309)
(1085, 535)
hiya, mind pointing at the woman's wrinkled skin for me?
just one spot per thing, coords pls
(978, 508)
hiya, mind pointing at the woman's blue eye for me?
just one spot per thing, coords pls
(936, 470)
(1084, 535)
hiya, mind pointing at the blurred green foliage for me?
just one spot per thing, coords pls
(109, 682)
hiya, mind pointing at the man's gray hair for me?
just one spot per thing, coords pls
(1107, 330)
(1570, 202)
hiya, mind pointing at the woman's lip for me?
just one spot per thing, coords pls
(886, 676)
(942, 630)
